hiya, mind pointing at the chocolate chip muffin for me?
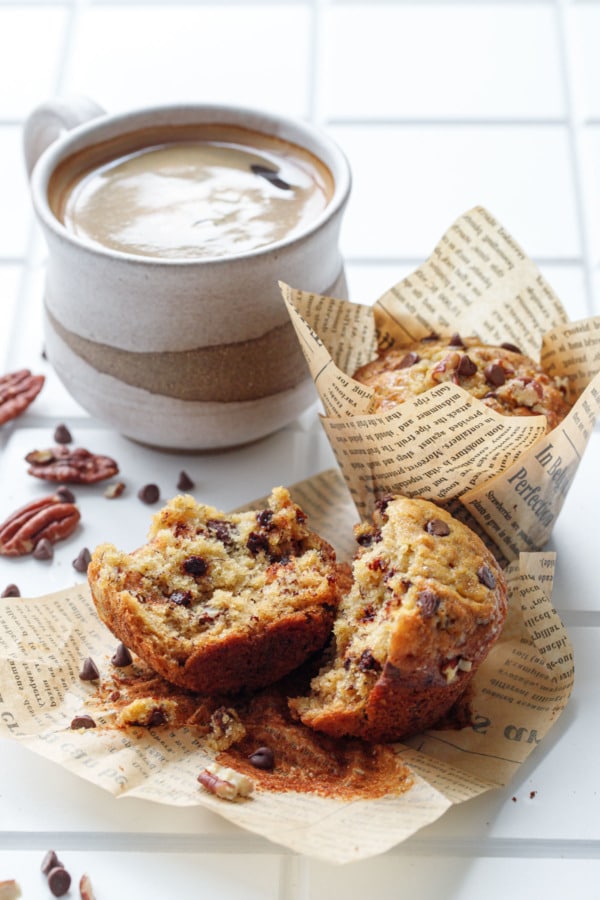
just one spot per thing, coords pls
(501, 377)
(427, 603)
(219, 603)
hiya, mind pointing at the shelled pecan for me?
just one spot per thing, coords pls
(70, 465)
(17, 391)
(47, 517)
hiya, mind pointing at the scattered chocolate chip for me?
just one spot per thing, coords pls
(408, 360)
(195, 565)
(428, 602)
(89, 670)
(43, 549)
(437, 527)
(114, 490)
(486, 577)
(262, 758)
(157, 717)
(50, 861)
(512, 347)
(271, 175)
(62, 435)
(65, 494)
(82, 560)
(59, 881)
(82, 722)
(11, 590)
(432, 336)
(257, 542)
(494, 374)
(149, 493)
(121, 657)
(184, 482)
(466, 366)
(456, 340)
(181, 598)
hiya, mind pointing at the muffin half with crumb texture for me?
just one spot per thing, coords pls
(427, 603)
(219, 603)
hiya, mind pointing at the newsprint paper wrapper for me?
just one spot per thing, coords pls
(501, 474)
(519, 692)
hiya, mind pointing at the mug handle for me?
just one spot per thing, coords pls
(49, 120)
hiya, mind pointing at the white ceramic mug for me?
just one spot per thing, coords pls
(178, 353)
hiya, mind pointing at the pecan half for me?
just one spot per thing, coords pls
(17, 391)
(70, 466)
(47, 517)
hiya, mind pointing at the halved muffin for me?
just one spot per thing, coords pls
(219, 602)
(427, 603)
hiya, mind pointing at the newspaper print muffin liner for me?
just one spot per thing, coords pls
(518, 695)
(503, 475)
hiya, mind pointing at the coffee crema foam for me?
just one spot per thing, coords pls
(194, 199)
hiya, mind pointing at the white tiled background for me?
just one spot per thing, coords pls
(439, 106)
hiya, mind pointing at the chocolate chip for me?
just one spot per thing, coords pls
(222, 530)
(367, 538)
(429, 603)
(367, 662)
(50, 861)
(65, 494)
(195, 565)
(157, 717)
(437, 527)
(62, 435)
(265, 517)
(456, 340)
(184, 482)
(466, 366)
(257, 542)
(486, 577)
(149, 493)
(121, 657)
(512, 347)
(494, 374)
(59, 881)
(408, 360)
(82, 560)
(82, 722)
(11, 590)
(181, 598)
(271, 175)
(262, 758)
(382, 504)
(43, 549)
(89, 670)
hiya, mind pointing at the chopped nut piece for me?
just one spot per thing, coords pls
(114, 490)
(224, 782)
(85, 888)
(9, 890)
